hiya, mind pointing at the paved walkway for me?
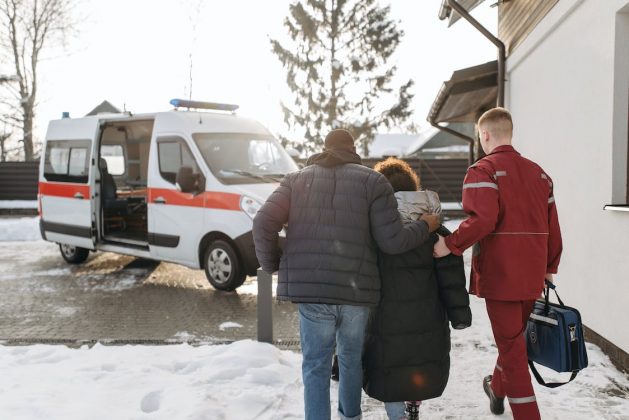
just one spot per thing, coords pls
(117, 298)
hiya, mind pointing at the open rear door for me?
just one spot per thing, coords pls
(66, 183)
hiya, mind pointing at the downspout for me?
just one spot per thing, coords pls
(502, 51)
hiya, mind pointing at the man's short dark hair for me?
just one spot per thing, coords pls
(339, 139)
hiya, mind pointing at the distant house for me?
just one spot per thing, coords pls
(442, 145)
(428, 144)
(567, 86)
(391, 145)
(104, 107)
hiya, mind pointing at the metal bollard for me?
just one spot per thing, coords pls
(265, 307)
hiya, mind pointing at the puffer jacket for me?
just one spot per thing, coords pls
(338, 214)
(407, 344)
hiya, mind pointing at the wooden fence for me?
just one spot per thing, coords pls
(18, 180)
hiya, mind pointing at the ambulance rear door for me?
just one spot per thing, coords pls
(66, 182)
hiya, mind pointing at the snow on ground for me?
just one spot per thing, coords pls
(243, 380)
(229, 324)
(250, 380)
(18, 204)
(19, 229)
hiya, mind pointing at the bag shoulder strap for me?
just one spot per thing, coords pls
(541, 381)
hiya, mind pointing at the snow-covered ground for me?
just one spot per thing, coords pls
(19, 229)
(18, 204)
(250, 380)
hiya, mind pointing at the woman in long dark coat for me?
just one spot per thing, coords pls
(407, 346)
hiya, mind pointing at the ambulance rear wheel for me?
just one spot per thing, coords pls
(223, 268)
(73, 254)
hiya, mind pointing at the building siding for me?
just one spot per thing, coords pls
(569, 102)
(517, 18)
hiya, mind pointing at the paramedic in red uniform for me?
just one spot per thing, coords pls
(512, 223)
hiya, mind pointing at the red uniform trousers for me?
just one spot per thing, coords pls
(511, 376)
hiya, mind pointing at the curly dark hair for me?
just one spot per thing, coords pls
(399, 173)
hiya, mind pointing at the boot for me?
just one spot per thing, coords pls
(496, 404)
(412, 410)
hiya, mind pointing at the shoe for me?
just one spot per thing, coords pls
(496, 404)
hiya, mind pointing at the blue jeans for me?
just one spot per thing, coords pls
(322, 325)
(395, 410)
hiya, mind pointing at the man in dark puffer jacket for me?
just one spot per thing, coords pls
(338, 214)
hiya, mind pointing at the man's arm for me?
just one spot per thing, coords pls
(481, 203)
(268, 222)
(390, 234)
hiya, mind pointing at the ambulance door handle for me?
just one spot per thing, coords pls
(160, 200)
(79, 196)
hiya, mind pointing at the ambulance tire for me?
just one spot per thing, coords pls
(223, 268)
(73, 254)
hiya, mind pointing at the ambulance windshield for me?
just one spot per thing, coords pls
(240, 158)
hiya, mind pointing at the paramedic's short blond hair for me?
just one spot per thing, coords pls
(497, 122)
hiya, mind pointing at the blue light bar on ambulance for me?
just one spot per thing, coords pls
(185, 103)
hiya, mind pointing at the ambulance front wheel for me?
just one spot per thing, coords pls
(73, 254)
(223, 268)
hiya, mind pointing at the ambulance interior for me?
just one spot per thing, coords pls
(123, 164)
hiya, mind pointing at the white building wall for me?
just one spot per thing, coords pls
(568, 91)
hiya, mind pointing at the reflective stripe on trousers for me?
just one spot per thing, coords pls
(511, 376)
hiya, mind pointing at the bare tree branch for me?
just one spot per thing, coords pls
(27, 28)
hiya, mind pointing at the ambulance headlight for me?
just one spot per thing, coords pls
(249, 206)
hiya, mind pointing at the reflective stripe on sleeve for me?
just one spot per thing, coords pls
(551, 200)
(500, 173)
(499, 367)
(480, 185)
(523, 400)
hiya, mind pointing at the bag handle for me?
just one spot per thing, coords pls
(538, 377)
(541, 381)
(549, 286)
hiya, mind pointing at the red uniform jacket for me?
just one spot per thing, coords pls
(513, 224)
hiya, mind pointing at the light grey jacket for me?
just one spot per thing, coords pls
(412, 204)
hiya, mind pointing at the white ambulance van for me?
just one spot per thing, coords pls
(181, 186)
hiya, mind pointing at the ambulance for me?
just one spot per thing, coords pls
(180, 186)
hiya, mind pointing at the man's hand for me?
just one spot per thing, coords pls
(549, 277)
(440, 250)
(433, 220)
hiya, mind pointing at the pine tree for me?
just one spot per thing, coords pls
(336, 67)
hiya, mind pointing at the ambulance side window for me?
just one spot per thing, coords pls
(67, 161)
(173, 154)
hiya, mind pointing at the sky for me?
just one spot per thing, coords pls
(136, 54)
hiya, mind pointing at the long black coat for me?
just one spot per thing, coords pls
(407, 345)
